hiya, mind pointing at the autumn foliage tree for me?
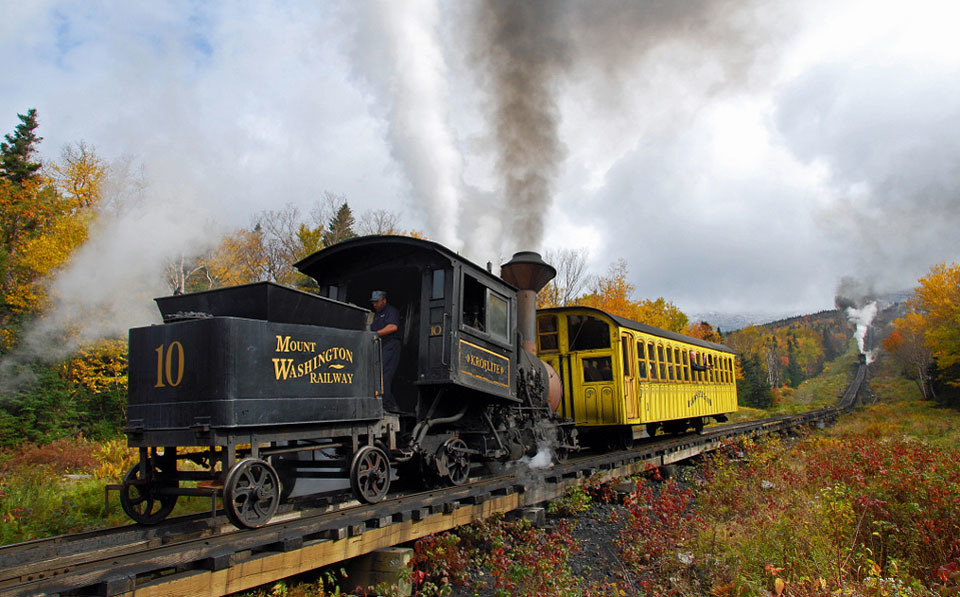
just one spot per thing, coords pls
(613, 293)
(927, 338)
(907, 344)
(46, 213)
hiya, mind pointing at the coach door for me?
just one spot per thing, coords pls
(629, 376)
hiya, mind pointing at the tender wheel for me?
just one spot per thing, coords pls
(370, 474)
(142, 499)
(251, 493)
(453, 461)
(285, 465)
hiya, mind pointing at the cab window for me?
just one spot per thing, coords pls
(485, 310)
(498, 317)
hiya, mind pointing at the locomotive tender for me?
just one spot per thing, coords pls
(260, 385)
(244, 390)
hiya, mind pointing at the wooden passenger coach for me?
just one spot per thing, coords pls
(633, 377)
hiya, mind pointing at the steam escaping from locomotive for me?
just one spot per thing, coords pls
(862, 318)
(858, 301)
(402, 58)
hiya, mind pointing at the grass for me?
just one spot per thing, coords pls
(58, 488)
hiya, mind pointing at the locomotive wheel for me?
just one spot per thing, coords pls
(370, 474)
(453, 461)
(142, 501)
(251, 493)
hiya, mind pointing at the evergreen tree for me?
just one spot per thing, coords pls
(16, 154)
(340, 226)
(794, 372)
(754, 389)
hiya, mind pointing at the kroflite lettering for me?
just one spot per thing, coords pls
(484, 364)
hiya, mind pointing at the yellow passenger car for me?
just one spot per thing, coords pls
(623, 380)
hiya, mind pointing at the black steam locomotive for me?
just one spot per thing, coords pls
(247, 389)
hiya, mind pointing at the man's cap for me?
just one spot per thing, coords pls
(377, 295)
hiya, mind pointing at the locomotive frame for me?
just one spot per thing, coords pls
(246, 389)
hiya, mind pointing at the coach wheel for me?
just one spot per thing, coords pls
(251, 493)
(453, 461)
(698, 425)
(142, 498)
(370, 474)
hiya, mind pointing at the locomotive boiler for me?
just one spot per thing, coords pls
(244, 390)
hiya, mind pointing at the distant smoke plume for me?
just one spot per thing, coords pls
(858, 301)
(401, 58)
(853, 292)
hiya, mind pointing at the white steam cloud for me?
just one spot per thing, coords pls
(401, 58)
(862, 318)
(108, 285)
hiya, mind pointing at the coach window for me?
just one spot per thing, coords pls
(652, 359)
(627, 361)
(587, 333)
(686, 364)
(641, 360)
(547, 335)
(670, 367)
(662, 362)
(597, 369)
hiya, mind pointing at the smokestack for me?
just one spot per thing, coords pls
(528, 272)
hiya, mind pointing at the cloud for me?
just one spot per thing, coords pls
(737, 154)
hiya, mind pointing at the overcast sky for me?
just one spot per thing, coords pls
(738, 155)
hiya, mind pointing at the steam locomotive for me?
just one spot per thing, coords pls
(245, 390)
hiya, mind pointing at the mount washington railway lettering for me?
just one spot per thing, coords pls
(333, 357)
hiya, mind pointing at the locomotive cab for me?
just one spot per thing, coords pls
(458, 321)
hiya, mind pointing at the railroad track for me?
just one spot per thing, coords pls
(200, 552)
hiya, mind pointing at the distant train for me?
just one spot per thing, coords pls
(244, 390)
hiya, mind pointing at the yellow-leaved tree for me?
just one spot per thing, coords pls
(937, 300)
(612, 293)
(59, 218)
